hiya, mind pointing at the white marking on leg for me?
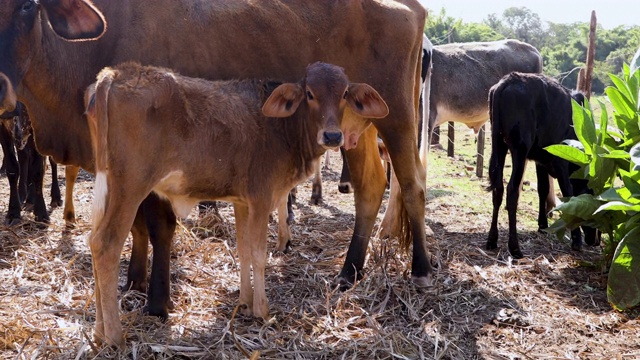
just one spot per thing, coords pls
(100, 192)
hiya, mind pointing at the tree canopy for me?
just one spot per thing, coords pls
(563, 46)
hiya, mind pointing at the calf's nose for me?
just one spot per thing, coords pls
(332, 138)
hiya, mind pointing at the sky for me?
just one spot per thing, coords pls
(609, 13)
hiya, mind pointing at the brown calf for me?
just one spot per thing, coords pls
(190, 139)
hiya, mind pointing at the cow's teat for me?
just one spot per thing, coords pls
(7, 95)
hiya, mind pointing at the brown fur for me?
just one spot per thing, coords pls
(190, 139)
(375, 41)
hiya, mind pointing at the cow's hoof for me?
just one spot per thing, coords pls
(285, 249)
(161, 313)
(291, 219)
(316, 199)
(11, 221)
(55, 203)
(491, 245)
(136, 286)
(345, 188)
(516, 253)
(423, 281)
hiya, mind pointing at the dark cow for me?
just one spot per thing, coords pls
(25, 168)
(377, 42)
(209, 141)
(528, 113)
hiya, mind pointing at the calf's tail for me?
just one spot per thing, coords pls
(498, 146)
(99, 128)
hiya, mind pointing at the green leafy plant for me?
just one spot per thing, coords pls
(609, 158)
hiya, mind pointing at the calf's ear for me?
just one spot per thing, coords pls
(75, 20)
(365, 101)
(283, 101)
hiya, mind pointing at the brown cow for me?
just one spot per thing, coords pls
(377, 42)
(209, 141)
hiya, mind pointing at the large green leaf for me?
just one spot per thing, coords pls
(616, 154)
(623, 287)
(618, 205)
(621, 85)
(569, 153)
(603, 132)
(620, 103)
(584, 126)
(582, 206)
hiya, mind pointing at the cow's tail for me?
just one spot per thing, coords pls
(498, 146)
(425, 136)
(99, 123)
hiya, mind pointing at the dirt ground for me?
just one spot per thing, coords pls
(550, 305)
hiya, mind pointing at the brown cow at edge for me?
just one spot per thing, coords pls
(377, 42)
(209, 141)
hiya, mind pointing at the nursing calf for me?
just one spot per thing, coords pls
(189, 140)
(529, 112)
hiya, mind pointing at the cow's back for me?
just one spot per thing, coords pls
(463, 73)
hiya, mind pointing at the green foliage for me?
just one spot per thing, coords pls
(609, 157)
(563, 46)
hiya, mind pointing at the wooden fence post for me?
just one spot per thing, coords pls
(452, 137)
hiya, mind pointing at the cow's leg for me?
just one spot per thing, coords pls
(368, 182)
(316, 190)
(551, 197)
(56, 198)
(137, 273)
(70, 176)
(518, 156)
(543, 194)
(36, 173)
(161, 224)
(345, 178)
(284, 233)
(496, 167)
(291, 198)
(241, 213)
(256, 236)
(403, 150)
(13, 170)
(106, 244)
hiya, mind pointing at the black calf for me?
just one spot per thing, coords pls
(529, 112)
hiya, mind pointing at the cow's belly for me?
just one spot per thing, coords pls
(473, 118)
(173, 187)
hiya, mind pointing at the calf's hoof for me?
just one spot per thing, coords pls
(316, 199)
(423, 281)
(516, 253)
(491, 244)
(576, 246)
(161, 312)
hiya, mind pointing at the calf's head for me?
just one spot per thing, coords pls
(327, 92)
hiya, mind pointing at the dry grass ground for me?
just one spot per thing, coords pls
(551, 305)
